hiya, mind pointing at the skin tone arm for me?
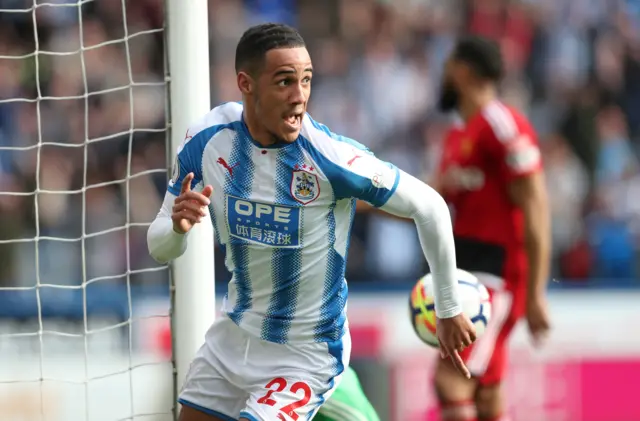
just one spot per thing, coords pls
(529, 194)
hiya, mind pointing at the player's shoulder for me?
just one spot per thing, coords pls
(226, 116)
(330, 144)
(221, 117)
(503, 122)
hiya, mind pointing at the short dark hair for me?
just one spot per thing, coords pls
(259, 39)
(482, 55)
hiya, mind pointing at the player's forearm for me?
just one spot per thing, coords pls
(538, 246)
(163, 242)
(529, 194)
(416, 200)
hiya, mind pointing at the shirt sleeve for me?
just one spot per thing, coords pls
(188, 160)
(516, 151)
(353, 170)
(163, 242)
(363, 176)
(416, 200)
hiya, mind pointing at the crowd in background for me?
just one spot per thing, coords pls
(573, 66)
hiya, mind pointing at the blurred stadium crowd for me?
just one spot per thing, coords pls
(573, 66)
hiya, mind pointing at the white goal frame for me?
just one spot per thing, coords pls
(192, 275)
(48, 387)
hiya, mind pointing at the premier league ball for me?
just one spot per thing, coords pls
(474, 297)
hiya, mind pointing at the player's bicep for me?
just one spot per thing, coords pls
(411, 198)
(369, 179)
(528, 192)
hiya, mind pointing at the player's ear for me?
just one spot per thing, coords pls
(463, 73)
(454, 71)
(245, 83)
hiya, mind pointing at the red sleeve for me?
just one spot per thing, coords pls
(512, 143)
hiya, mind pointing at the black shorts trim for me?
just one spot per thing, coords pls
(478, 256)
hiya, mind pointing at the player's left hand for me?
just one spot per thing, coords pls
(455, 334)
(538, 319)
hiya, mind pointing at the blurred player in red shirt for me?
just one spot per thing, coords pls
(491, 175)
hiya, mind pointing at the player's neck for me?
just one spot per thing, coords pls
(258, 134)
(476, 101)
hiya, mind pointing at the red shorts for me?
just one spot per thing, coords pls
(487, 358)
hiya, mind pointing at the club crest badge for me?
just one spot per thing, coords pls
(466, 147)
(305, 186)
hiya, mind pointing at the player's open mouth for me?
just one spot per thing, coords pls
(293, 121)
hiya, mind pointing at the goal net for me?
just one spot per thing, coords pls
(84, 149)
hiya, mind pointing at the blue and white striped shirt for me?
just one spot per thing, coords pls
(283, 216)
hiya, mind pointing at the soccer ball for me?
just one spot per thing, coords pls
(473, 296)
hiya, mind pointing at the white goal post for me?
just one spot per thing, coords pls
(83, 329)
(193, 303)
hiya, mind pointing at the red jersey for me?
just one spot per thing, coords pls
(495, 147)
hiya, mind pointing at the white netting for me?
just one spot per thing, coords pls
(82, 170)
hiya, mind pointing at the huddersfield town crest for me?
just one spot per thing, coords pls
(305, 187)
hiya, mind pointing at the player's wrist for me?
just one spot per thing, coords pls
(535, 299)
(449, 313)
(536, 291)
(178, 231)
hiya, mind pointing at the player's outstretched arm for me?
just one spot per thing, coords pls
(167, 235)
(416, 200)
(354, 172)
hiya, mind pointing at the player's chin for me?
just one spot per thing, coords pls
(290, 128)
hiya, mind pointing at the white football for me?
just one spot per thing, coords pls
(474, 297)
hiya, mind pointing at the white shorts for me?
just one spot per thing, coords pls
(235, 375)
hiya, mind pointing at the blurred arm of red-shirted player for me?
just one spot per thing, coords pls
(529, 194)
(523, 169)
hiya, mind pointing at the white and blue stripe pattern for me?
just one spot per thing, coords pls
(286, 264)
(287, 255)
(240, 186)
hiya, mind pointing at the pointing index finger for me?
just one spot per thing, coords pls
(459, 363)
(186, 183)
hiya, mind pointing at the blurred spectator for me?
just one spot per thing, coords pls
(567, 185)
